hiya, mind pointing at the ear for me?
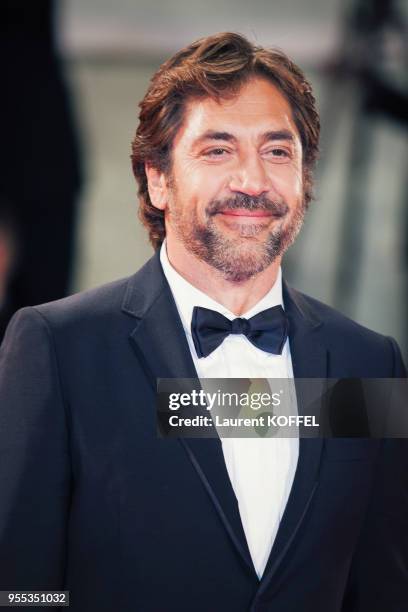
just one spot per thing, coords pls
(157, 186)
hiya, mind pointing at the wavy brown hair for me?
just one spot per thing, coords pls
(217, 67)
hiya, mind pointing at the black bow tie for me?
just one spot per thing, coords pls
(267, 330)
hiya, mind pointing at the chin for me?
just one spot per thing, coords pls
(242, 260)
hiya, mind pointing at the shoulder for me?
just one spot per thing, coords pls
(96, 316)
(336, 323)
(86, 306)
(350, 342)
(95, 313)
(130, 296)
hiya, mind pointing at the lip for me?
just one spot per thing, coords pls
(246, 213)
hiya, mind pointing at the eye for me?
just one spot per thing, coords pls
(216, 152)
(278, 154)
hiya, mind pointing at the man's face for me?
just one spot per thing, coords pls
(234, 195)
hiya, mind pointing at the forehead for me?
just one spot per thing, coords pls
(259, 106)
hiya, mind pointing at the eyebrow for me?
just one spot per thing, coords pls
(278, 135)
(271, 135)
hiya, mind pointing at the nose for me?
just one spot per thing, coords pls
(250, 177)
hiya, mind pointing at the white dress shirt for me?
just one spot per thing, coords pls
(261, 470)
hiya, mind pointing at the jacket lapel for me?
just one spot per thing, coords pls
(161, 345)
(309, 360)
(162, 348)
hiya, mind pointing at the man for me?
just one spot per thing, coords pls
(92, 501)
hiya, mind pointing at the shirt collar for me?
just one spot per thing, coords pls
(187, 296)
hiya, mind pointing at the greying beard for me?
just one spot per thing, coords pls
(238, 262)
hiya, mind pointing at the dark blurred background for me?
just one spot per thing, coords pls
(40, 167)
(73, 73)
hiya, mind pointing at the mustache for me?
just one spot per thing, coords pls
(277, 208)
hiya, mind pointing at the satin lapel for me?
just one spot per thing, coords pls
(161, 346)
(309, 360)
(161, 343)
(208, 460)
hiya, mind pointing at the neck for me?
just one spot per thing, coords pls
(237, 297)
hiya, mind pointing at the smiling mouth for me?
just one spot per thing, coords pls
(247, 213)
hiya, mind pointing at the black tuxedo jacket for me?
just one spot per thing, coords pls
(92, 501)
